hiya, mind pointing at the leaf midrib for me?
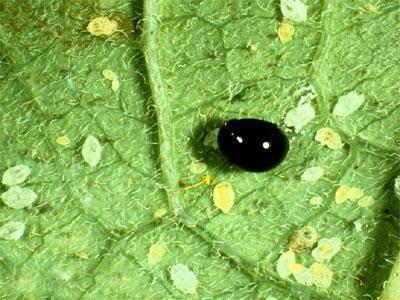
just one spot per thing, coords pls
(161, 107)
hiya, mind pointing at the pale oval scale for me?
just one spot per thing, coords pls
(12, 230)
(115, 85)
(63, 140)
(317, 200)
(326, 249)
(285, 31)
(302, 275)
(348, 104)
(91, 151)
(299, 116)
(284, 264)
(321, 275)
(342, 194)
(312, 174)
(16, 175)
(198, 167)
(18, 198)
(294, 10)
(102, 26)
(109, 74)
(327, 137)
(159, 213)
(156, 252)
(224, 196)
(184, 279)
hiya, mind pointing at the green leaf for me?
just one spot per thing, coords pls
(183, 67)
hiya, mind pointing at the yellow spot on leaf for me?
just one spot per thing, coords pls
(321, 275)
(365, 201)
(327, 137)
(371, 7)
(102, 26)
(252, 48)
(156, 252)
(284, 264)
(159, 213)
(115, 84)
(63, 140)
(345, 192)
(316, 201)
(207, 179)
(252, 212)
(341, 194)
(224, 196)
(285, 31)
(82, 255)
(355, 193)
(109, 74)
(295, 267)
(288, 256)
(326, 249)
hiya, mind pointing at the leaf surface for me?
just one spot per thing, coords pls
(196, 63)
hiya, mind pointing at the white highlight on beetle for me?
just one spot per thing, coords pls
(239, 139)
(266, 145)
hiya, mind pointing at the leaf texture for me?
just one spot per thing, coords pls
(183, 67)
